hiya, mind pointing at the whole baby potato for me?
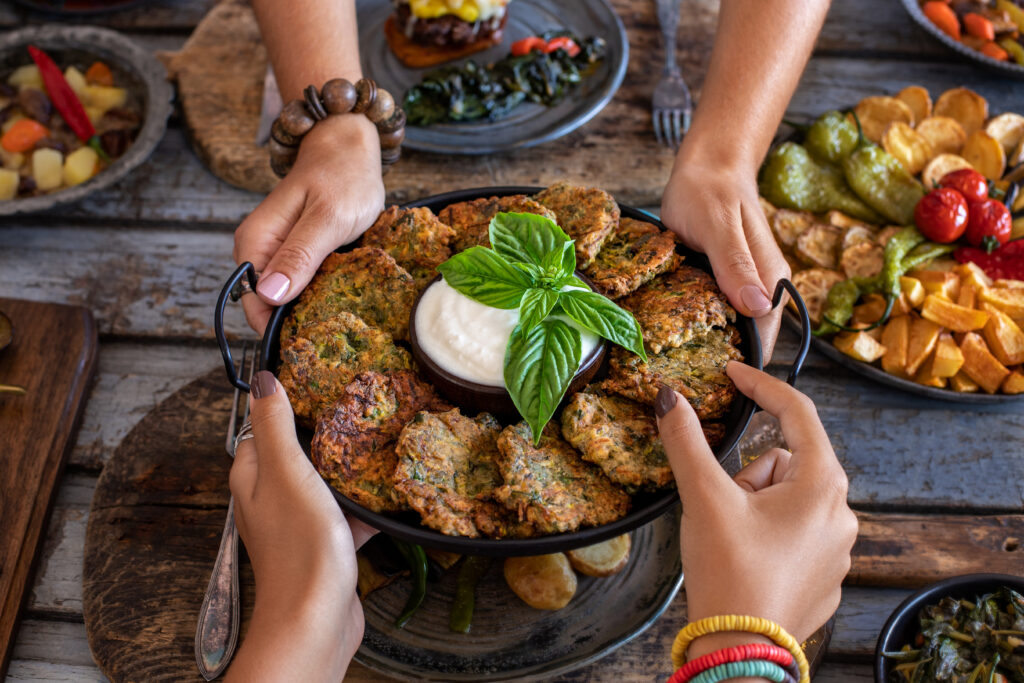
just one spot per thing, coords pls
(541, 581)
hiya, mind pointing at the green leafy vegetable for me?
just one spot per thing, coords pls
(536, 305)
(539, 364)
(529, 238)
(482, 274)
(599, 315)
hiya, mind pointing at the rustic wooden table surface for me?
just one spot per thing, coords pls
(148, 256)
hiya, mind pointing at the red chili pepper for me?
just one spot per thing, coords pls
(1006, 262)
(527, 45)
(65, 101)
(563, 43)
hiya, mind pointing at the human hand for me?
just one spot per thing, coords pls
(774, 542)
(307, 620)
(329, 198)
(713, 206)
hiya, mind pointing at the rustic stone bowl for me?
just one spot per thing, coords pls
(473, 397)
(134, 68)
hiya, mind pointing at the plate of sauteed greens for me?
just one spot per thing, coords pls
(902, 220)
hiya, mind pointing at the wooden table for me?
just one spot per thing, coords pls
(149, 255)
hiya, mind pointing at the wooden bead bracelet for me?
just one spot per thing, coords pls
(338, 96)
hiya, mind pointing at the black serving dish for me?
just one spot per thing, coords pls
(646, 506)
(902, 625)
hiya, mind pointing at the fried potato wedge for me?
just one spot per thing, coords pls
(964, 384)
(919, 101)
(868, 312)
(925, 377)
(1014, 383)
(924, 334)
(818, 246)
(1008, 300)
(602, 559)
(972, 274)
(912, 149)
(788, 225)
(1008, 129)
(945, 135)
(964, 105)
(940, 166)
(947, 359)
(862, 260)
(859, 345)
(895, 339)
(877, 112)
(1002, 283)
(939, 282)
(912, 288)
(968, 296)
(813, 285)
(980, 365)
(541, 581)
(985, 154)
(1004, 337)
(957, 318)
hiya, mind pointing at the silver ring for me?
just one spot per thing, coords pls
(244, 434)
(245, 287)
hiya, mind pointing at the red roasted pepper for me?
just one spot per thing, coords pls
(1006, 262)
(65, 101)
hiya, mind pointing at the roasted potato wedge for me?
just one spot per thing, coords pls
(862, 260)
(877, 112)
(857, 234)
(1008, 129)
(957, 318)
(1008, 300)
(945, 135)
(789, 225)
(980, 365)
(859, 345)
(939, 282)
(895, 338)
(1001, 283)
(964, 384)
(947, 359)
(972, 274)
(868, 312)
(940, 166)
(601, 559)
(925, 377)
(964, 105)
(985, 154)
(1004, 337)
(908, 146)
(813, 285)
(968, 296)
(541, 581)
(1014, 383)
(919, 101)
(924, 334)
(841, 220)
(818, 246)
(912, 288)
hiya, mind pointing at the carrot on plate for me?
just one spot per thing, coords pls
(943, 16)
(23, 136)
(979, 26)
(993, 50)
(99, 74)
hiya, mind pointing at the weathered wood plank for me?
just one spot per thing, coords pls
(38, 640)
(29, 670)
(868, 26)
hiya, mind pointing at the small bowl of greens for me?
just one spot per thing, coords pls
(966, 628)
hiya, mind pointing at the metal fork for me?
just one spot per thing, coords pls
(217, 630)
(671, 106)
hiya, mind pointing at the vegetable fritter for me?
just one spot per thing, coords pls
(696, 370)
(323, 357)
(354, 445)
(551, 486)
(634, 255)
(620, 436)
(446, 472)
(415, 238)
(675, 308)
(471, 220)
(588, 216)
(366, 282)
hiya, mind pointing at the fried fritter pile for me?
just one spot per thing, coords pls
(415, 238)
(471, 220)
(637, 253)
(588, 216)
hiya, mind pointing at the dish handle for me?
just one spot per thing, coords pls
(786, 286)
(232, 290)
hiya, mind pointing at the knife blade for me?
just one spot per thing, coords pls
(270, 107)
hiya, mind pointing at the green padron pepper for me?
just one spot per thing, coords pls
(791, 179)
(838, 307)
(881, 181)
(831, 138)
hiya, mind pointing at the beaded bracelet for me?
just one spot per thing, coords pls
(754, 668)
(739, 653)
(338, 96)
(735, 622)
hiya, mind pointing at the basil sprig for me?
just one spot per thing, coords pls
(531, 266)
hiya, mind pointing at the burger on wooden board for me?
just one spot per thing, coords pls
(424, 33)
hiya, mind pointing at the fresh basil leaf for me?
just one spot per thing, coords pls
(483, 275)
(599, 315)
(539, 364)
(573, 281)
(560, 265)
(535, 272)
(525, 237)
(535, 306)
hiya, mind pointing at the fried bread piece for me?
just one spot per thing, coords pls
(446, 472)
(472, 220)
(415, 238)
(551, 486)
(634, 255)
(588, 216)
(696, 370)
(354, 445)
(323, 357)
(675, 308)
(366, 282)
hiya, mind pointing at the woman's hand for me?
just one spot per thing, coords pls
(331, 196)
(307, 620)
(773, 543)
(713, 206)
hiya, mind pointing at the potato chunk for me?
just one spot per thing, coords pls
(948, 314)
(966, 106)
(1003, 336)
(964, 384)
(47, 169)
(8, 183)
(895, 338)
(913, 289)
(980, 365)
(80, 166)
(818, 246)
(1014, 383)
(541, 581)
(947, 359)
(985, 154)
(1008, 300)
(924, 335)
(601, 559)
(859, 345)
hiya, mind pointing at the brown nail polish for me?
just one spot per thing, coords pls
(263, 384)
(665, 401)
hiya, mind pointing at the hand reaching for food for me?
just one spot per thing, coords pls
(774, 542)
(307, 621)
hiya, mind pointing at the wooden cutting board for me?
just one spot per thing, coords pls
(53, 356)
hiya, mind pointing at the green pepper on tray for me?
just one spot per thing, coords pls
(472, 570)
(881, 181)
(417, 559)
(831, 138)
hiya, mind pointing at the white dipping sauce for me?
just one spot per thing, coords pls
(467, 338)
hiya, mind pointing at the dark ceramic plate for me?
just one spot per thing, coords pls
(530, 123)
(134, 68)
(79, 7)
(902, 625)
(1011, 68)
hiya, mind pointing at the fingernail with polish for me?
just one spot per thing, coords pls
(263, 384)
(273, 286)
(754, 299)
(665, 401)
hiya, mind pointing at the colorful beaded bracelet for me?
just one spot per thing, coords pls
(753, 668)
(736, 622)
(338, 96)
(739, 653)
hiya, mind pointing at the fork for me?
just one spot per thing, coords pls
(217, 630)
(671, 106)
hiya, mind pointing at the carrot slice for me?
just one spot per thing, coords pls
(23, 136)
(943, 16)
